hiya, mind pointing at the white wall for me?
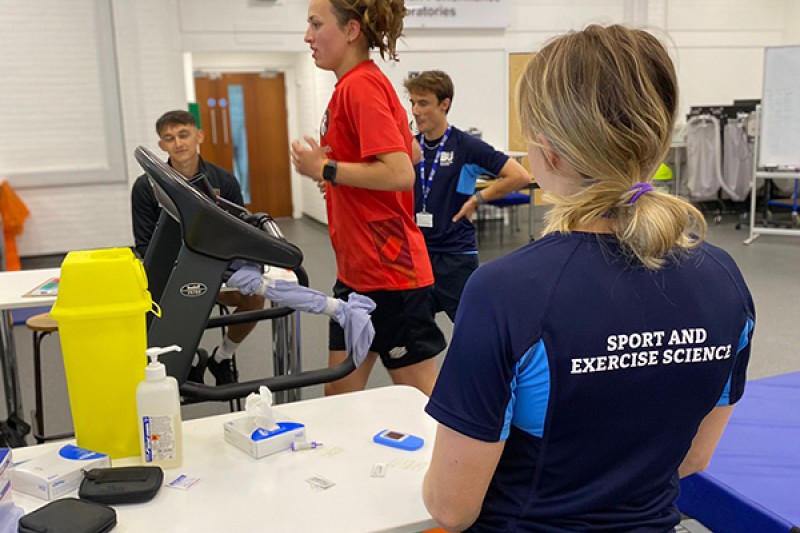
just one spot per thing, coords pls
(144, 59)
(717, 46)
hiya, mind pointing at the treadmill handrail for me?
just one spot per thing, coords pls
(233, 391)
(270, 313)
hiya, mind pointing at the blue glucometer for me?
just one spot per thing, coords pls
(395, 439)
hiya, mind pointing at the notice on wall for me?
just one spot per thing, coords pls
(473, 14)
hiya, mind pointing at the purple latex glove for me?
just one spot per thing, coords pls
(249, 279)
(297, 297)
(353, 316)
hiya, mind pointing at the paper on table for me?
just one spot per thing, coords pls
(48, 288)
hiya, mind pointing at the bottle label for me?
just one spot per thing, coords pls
(159, 438)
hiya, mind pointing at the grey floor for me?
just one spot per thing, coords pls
(770, 266)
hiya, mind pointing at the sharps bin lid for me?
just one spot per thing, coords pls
(98, 283)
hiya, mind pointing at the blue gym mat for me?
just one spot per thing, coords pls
(753, 481)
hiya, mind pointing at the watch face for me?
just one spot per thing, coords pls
(329, 171)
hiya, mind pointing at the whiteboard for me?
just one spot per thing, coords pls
(780, 108)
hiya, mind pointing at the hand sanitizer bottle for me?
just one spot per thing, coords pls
(158, 408)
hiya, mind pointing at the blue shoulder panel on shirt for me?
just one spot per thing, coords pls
(744, 339)
(469, 176)
(530, 393)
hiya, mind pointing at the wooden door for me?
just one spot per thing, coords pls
(245, 123)
(516, 143)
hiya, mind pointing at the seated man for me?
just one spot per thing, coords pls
(180, 138)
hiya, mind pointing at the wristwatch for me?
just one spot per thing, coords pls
(329, 172)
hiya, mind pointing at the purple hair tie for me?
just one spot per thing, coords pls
(640, 189)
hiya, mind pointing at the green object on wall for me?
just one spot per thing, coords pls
(194, 109)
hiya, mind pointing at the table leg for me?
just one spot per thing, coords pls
(8, 360)
(14, 429)
(531, 230)
(530, 219)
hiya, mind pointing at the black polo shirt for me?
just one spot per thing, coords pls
(145, 209)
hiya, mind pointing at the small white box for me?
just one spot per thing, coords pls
(5, 463)
(54, 474)
(5, 476)
(245, 434)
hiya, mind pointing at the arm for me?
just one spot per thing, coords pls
(512, 177)
(705, 441)
(392, 171)
(144, 213)
(416, 152)
(458, 477)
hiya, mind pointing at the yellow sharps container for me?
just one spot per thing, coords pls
(101, 313)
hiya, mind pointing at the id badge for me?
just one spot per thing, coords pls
(424, 220)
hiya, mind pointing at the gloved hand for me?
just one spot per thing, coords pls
(249, 279)
(353, 316)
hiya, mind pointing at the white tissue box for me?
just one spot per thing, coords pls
(56, 473)
(258, 442)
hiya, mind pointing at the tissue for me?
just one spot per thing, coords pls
(259, 408)
(258, 433)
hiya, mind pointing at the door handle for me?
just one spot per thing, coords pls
(212, 103)
(224, 125)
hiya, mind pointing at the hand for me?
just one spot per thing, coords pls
(249, 279)
(308, 161)
(467, 210)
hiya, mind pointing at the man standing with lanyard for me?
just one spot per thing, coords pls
(445, 196)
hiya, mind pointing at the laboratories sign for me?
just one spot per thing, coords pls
(457, 14)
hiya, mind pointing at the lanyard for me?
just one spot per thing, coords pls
(427, 182)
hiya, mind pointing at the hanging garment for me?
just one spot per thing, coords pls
(737, 165)
(14, 212)
(704, 158)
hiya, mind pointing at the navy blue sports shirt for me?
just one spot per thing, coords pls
(596, 373)
(463, 159)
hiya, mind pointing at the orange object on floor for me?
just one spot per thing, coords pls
(13, 212)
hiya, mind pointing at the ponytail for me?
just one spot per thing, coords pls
(381, 21)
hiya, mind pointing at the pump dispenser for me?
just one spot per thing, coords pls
(159, 413)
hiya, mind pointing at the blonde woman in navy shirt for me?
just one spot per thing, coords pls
(591, 369)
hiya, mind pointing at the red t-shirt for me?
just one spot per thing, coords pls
(377, 243)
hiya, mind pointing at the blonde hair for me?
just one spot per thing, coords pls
(381, 21)
(605, 98)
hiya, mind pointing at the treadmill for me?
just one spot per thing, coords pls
(184, 280)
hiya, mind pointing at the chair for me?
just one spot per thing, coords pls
(41, 325)
(512, 200)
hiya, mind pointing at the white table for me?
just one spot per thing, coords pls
(13, 285)
(240, 493)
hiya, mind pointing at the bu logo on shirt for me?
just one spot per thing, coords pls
(446, 159)
(323, 125)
